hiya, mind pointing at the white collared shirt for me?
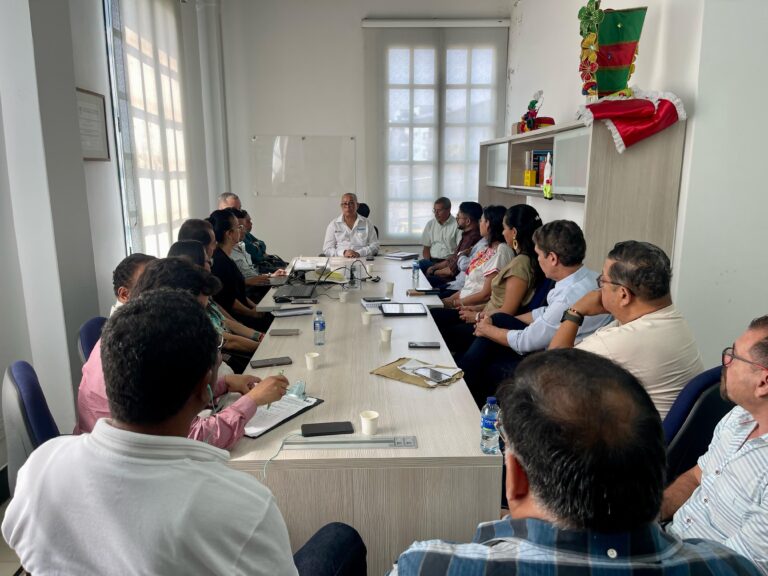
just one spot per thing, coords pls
(441, 239)
(361, 237)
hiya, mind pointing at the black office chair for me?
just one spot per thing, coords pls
(28, 421)
(689, 424)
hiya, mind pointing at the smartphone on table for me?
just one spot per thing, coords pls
(264, 362)
(434, 375)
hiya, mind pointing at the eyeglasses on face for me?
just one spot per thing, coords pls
(601, 280)
(728, 357)
(352, 203)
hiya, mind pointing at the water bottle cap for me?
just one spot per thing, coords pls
(490, 400)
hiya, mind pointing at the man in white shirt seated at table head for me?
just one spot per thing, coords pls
(135, 496)
(350, 235)
(725, 496)
(585, 460)
(649, 336)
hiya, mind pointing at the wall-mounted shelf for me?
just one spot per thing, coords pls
(629, 196)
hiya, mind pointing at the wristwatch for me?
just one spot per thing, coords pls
(574, 316)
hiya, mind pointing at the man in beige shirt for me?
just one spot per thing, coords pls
(648, 337)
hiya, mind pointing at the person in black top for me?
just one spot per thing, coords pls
(232, 296)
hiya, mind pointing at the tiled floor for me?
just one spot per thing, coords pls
(9, 563)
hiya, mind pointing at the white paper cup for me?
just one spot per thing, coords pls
(390, 289)
(386, 334)
(369, 268)
(343, 296)
(312, 359)
(369, 422)
(366, 317)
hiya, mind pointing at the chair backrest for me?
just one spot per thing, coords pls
(539, 296)
(689, 424)
(28, 421)
(89, 334)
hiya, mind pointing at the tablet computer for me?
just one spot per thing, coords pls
(403, 309)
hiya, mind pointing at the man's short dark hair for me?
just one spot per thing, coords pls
(177, 274)
(642, 267)
(195, 229)
(444, 202)
(236, 212)
(472, 210)
(154, 351)
(564, 238)
(192, 250)
(589, 439)
(122, 275)
(760, 348)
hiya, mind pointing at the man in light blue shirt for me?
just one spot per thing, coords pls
(503, 339)
(725, 496)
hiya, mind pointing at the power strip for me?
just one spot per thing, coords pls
(350, 442)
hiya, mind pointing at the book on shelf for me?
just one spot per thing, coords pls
(538, 160)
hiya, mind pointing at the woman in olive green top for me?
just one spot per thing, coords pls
(514, 285)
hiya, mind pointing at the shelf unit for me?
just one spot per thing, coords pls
(629, 196)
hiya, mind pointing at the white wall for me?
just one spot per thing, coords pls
(723, 267)
(296, 67)
(105, 209)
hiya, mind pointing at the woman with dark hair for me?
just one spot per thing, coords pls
(483, 268)
(232, 297)
(515, 284)
(239, 340)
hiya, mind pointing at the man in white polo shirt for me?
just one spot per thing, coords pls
(649, 336)
(725, 496)
(441, 235)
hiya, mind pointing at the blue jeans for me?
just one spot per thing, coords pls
(334, 550)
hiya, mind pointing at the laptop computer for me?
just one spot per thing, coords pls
(289, 292)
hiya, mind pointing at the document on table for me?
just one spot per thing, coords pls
(270, 417)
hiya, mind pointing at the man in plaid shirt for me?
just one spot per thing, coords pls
(585, 462)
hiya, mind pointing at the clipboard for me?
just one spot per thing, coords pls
(286, 408)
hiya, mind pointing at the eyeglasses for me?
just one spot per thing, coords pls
(728, 357)
(601, 281)
(348, 203)
(438, 210)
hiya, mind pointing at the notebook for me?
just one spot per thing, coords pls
(400, 309)
(401, 255)
(269, 417)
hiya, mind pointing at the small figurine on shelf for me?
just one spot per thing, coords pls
(547, 186)
(530, 120)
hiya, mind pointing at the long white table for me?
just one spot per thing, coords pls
(392, 496)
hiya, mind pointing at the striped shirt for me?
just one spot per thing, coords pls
(731, 504)
(536, 547)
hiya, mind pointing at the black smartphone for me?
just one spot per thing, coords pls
(423, 344)
(264, 362)
(376, 299)
(284, 332)
(369, 258)
(326, 429)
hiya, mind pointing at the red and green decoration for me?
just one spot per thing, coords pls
(608, 48)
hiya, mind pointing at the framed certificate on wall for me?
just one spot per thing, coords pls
(92, 118)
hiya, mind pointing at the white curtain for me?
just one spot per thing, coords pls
(146, 42)
(432, 95)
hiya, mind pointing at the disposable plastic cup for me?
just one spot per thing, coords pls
(390, 289)
(366, 317)
(343, 296)
(313, 358)
(369, 422)
(386, 334)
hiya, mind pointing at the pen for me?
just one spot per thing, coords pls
(282, 373)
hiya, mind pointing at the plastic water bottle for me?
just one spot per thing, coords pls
(319, 326)
(415, 273)
(489, 435)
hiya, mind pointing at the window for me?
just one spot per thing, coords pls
(440, 93)
(148, 86)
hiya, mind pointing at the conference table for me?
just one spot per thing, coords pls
(441, 489)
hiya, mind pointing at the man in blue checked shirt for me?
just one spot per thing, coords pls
(585, 462)
(725, 496)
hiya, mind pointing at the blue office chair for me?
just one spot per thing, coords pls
(689, 424)
(539, 296)
(89, 334)
(28, 421)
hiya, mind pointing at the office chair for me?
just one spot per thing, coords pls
(28, 421)
(89, 334)
(689, 424)
(539, 296)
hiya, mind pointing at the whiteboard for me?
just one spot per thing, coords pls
(295, 166)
